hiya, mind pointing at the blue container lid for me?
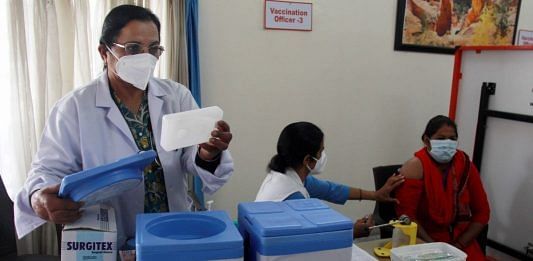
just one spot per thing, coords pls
(291, 217)
(106, 181)
(293, 227)
(189, 235)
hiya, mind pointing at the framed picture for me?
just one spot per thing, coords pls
(440, 26)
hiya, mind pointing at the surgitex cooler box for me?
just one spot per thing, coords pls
(295, 230)
(92, 237)
(190, 236)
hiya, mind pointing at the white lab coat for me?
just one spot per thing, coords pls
(278, 186)
(85, 129)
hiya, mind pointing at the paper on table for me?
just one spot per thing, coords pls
(360, 254)
(183, 129)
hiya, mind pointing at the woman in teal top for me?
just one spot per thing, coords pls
(300, 157)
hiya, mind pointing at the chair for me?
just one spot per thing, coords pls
(384, 212)
(7, 226)
(8, 243)
(482, 239)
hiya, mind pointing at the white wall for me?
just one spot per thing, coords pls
(371, 102)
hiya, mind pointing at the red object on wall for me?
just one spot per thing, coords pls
(457, 73)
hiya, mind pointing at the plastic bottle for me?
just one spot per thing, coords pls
(399, 238)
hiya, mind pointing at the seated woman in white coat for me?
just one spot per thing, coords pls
(300, 157)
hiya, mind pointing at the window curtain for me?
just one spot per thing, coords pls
(52, 49)
(194, 72)
(33, 35)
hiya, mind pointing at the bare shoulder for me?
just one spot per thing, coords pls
(412, 169)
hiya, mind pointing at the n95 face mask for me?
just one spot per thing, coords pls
(443, 151)
(320, 164)
(136, 69)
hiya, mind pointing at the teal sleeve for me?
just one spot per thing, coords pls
(327, 190)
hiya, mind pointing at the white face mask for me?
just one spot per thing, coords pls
(320, 164)
(443, 151)
(135, 69)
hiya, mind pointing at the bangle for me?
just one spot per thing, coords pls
(360, 194)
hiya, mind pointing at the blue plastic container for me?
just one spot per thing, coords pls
(273, 229)
(106, 181)
(209, 235)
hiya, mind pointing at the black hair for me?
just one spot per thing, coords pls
(296, 141)
(436, 123)
(120, 16)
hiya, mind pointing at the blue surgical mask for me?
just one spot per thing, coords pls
(443, 151)
(320, 164)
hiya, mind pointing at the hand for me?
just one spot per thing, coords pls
(383, 194)
(360, 228)
(219, 141)
(48, 206)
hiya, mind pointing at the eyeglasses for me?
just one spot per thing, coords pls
(135, 48)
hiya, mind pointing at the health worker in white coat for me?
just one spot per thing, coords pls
(117, 115)
(292, 174)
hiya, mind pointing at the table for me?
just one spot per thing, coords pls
(368, 246)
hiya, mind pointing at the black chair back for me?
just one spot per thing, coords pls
(8, 243)
(7, 224)
(8, 247)
(384, 212)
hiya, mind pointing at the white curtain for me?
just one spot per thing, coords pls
(35, 78)
(51, 48)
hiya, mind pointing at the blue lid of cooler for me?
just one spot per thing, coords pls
(106, 181)
(292, 217)
(190, 235)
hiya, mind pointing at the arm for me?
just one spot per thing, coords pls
(479, 206)
(382, 194)
(327, 190)
(410, 193)
(57, 156)
(338, 193)
(210, 161)
(212, 178)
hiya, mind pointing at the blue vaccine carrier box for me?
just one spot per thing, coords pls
(295, 230)
(191, 236)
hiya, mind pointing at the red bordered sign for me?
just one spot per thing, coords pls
(284, 15)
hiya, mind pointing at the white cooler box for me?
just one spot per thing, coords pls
(295, 230)
(189, 236)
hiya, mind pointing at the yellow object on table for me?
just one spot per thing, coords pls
(369, 246)
(402, 235)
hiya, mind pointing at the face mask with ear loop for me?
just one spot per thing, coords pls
(320, 164)
(136, 69)
(443, 151)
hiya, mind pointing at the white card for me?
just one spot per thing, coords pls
(184, 129)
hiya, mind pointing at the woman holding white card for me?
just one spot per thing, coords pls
(117, 115)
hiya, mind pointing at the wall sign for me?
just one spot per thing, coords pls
(525, 37)
(288, 15)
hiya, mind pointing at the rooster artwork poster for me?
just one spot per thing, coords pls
(442, 25)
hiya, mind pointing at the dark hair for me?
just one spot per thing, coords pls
(120, 16)
(436, 123)
(296, 141)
